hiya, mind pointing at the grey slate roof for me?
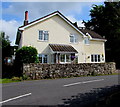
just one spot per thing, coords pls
(92, 33)
(62, 48)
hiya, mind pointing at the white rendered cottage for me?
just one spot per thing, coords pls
(58, 40)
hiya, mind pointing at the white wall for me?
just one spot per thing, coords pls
(59, 32)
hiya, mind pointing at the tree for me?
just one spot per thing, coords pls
(5, 46)
(26, 55)
(6, 50)
(105, 20)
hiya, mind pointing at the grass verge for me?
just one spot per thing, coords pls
(5, 80)
(17, 79)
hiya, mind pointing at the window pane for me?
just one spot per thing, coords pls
(41, 35)
(45, 59)
(95, 58)
(75, 39)
(40, 58)
(71, 39)
(68, 58)
(62, 58)
(86, 40)
(45, 35)
(92, 58)
(98, 58)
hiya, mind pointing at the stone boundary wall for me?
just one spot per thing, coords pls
(43, 71)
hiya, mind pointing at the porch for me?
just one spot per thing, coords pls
(63, 54)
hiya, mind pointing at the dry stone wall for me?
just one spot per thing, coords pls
(43, 71)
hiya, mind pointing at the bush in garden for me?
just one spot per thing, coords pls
(16, 79)
(24, 55)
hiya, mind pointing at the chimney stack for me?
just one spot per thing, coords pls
(75, 24)
(26, 18)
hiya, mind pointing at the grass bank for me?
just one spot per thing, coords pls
(19, 79)
(5, 80)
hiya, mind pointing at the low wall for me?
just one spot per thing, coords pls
(42, 71)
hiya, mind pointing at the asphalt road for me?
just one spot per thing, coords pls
(76, 91)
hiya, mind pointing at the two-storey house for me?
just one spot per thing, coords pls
(58, 40)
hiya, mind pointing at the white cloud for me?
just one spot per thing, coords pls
(55, 0)
(38, 9)
(10, 28)
(79, 22)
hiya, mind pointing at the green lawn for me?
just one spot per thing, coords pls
(17, 79)
(8, 80)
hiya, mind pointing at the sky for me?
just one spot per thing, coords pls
(13, 13)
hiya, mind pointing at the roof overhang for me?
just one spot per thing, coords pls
(19, 34)
(60, 48)
(96, 39)
(88, 35)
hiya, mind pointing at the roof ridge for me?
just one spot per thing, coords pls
(82, 31)
(40, 18)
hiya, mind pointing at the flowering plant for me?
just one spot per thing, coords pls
(72, 57)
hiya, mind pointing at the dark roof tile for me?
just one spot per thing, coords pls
(92, 33)
(62, 48)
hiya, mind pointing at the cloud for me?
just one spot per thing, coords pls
(38, 9)
(79, 22)
(10, 29)
(55, 0)
(15, 13)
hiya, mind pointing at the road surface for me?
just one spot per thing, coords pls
(75, 91)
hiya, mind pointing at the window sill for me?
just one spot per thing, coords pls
(87, 44)
(74, 42)
(65, 62)
(95, 62)
(42, 40)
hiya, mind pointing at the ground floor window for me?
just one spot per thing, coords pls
(43, 58)
(95, 58)
(65, 58)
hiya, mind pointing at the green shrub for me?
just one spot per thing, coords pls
(94, 73)
(37, 60)
(16, 79)
(25, 77)
(26, 55)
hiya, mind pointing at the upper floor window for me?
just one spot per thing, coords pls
(95, 58)
(86, 40)
(73, 38)
(43, 35)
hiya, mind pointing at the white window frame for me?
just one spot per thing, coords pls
(98, 56)
(43, 55)
(65, 60)
(44, 33)
(86, 40)
(74, 38)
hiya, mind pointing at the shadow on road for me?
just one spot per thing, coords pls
(98, 97)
